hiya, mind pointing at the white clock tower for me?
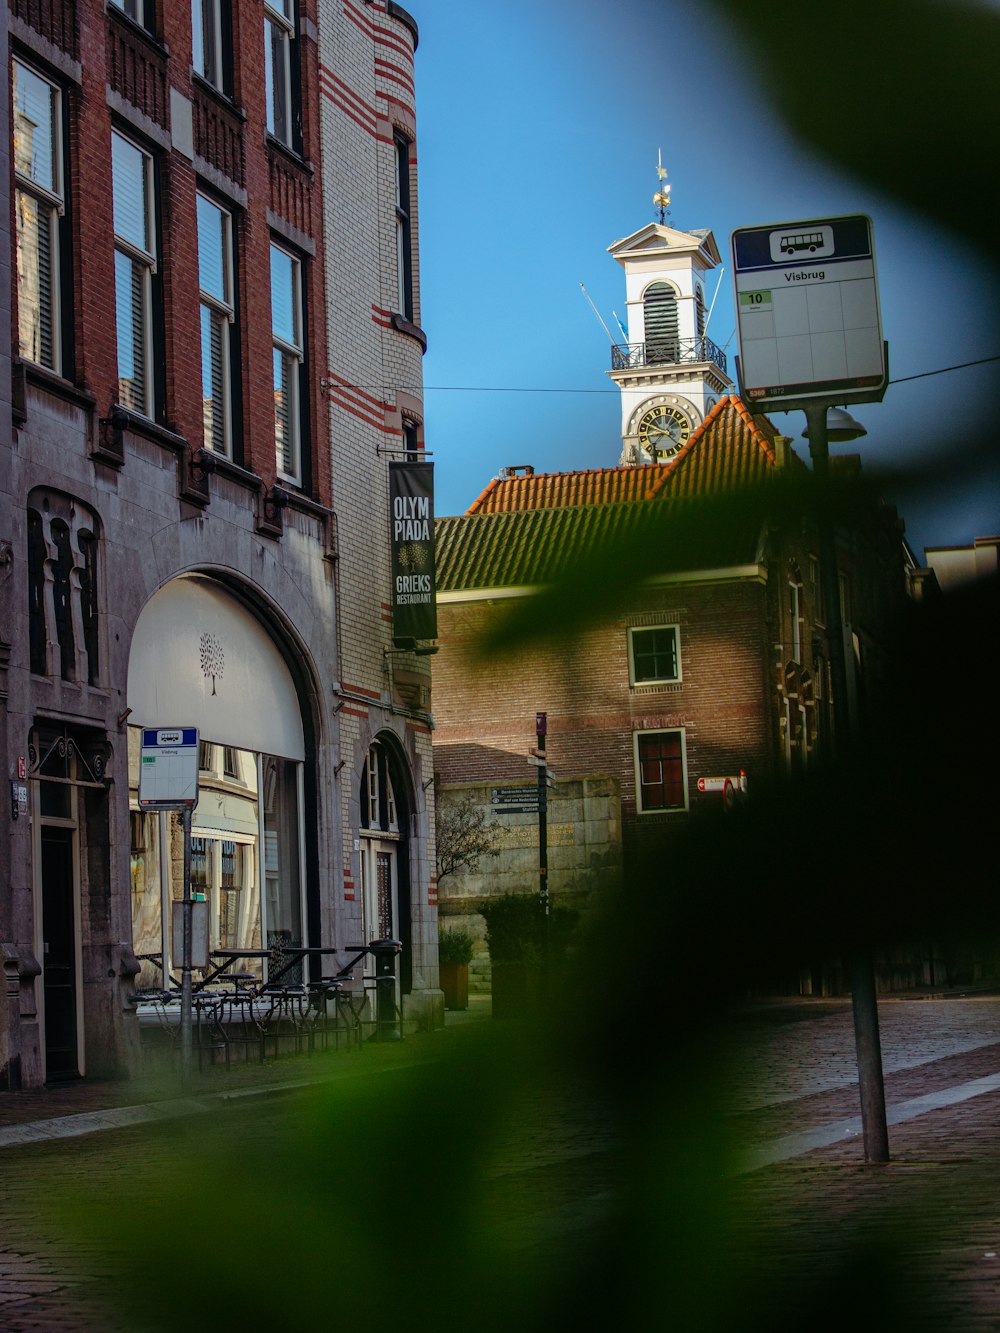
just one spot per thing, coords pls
(669, 373)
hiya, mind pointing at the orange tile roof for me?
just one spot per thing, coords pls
(551, 490)
(731, 448)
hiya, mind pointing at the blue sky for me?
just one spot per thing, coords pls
(539, 123)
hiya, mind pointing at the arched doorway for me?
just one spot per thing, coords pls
(386, 809)
(201, 658)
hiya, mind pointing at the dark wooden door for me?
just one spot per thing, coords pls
(59, 958)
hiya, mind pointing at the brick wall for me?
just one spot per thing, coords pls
(485, 708)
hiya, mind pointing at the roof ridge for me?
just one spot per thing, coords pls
(751, 419)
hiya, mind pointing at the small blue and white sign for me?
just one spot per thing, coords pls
(807, 311)
(168, 768)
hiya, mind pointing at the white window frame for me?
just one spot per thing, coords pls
(660, 731)
(795, 617)
(223, 310)
(380, 820)
(279, 22)
(654, 680)
(295, 351)
(51, 208)
(207, 14)
(145, 258)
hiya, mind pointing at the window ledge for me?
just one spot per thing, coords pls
(48, 380)
(402, 325)
(151, 430)
(217, 94)
(153, 42)
(291, 154)
(227, 468)
(304, 503)
(653, 687)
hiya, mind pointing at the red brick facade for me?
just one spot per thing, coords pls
(752, 689)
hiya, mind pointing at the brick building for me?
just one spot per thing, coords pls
(216, 308)
(711, 663)
(684, 658)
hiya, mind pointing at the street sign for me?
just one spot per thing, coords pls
(807, 311)
(730, 788)
(515, 800)
(168, 771)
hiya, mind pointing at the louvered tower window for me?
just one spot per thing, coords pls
(699, 311)
(660, 312)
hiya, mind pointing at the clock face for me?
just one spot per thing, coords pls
(663, 430)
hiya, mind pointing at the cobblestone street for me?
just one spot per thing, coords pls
(798, 1198)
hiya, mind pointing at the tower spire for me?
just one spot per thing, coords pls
(662, 196)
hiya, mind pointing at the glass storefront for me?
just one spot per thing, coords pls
(245, 858)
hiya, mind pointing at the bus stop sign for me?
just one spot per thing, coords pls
(807, 311)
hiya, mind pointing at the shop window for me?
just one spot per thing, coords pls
(39, 208)
(404, 234)
(245, 855)
(288, 357)
(281, 82)
(215, 280)
(282, 855)
(63, 625)
(654, 655)
(135, 271)
(660, 765)
(211, 43)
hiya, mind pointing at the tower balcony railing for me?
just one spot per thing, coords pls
(666, 352)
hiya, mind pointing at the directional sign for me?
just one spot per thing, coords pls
(168, 771)
(807, 311)
(515, 800)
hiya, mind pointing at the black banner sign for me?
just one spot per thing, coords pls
(411, 532)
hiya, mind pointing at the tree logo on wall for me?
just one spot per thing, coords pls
(213, 659)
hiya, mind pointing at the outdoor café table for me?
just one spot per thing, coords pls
(284, 958)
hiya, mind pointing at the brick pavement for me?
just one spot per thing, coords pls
(798, 1232)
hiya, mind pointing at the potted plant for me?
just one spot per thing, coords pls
(454, 956)
(525, 947)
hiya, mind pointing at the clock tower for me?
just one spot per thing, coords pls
(669, 372)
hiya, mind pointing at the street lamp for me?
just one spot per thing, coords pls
(840, 426)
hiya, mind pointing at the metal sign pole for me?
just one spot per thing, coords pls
(863, 1000)
(543, 835)
(187, 940)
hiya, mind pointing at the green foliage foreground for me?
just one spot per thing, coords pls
(386, 1203)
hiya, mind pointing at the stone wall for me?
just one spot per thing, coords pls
(584, 849)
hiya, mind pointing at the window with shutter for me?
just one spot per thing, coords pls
(135, 264)
(39, 207)
(660, 314)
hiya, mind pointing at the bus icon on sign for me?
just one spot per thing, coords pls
(817, 241)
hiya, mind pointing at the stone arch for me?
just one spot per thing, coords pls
(211, 653)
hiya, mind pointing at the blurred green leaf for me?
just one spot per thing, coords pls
(900, 92)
